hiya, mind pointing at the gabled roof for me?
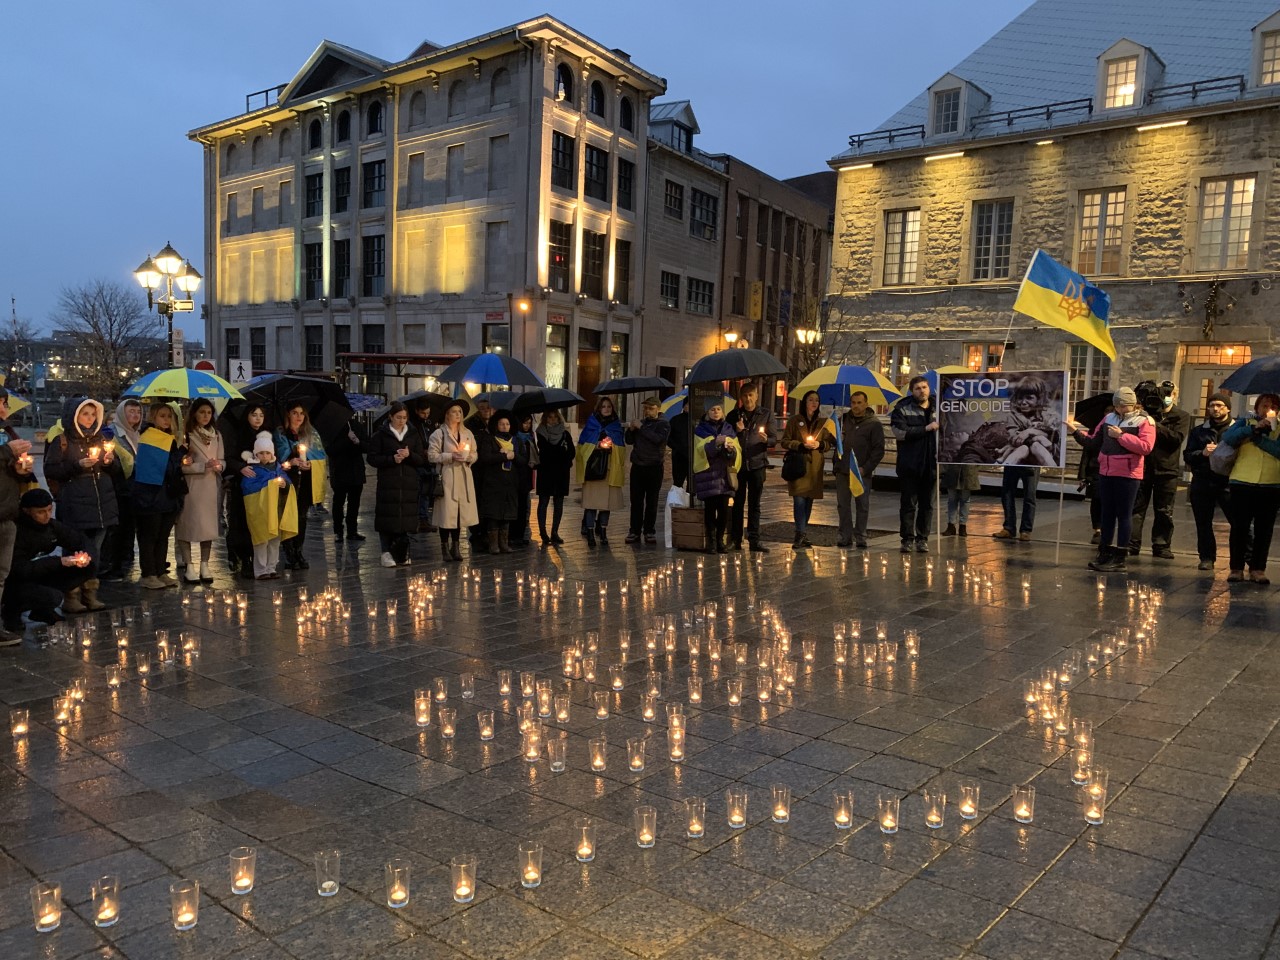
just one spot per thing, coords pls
(1048, 53)
(681, 111)
(331, 65)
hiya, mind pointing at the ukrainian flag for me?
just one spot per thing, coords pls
(1063, 298)
(856, 486)
(153, 456)
(268, 518)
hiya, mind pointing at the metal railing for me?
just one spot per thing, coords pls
(1044, 111)
(858, 140)
(1197, 87)
(270, 97)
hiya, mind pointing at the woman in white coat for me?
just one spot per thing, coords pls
(203, 466)
(453, 449)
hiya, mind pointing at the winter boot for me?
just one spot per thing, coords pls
(89, 595)
(454, 550)
(1101, 560)
(493, 541)
(71, 602)
(504, 541)
(950, 531)
(602, 531)
(444, 544)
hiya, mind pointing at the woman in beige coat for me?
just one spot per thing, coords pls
(202, 467)
(807, 432)
(452, 449)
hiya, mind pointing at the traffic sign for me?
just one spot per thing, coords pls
(207, 365)
(239, 371)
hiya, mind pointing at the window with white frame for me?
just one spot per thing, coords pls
(1270, 72)
(901, 246)
(893, 360)
(946, 111)
(992, 239)
(1089, 370)
(1226, 215)
(984, 357)
(1101, 230)
(1121, 83)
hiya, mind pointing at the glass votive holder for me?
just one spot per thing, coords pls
(617, 676)
(545, 699)
(557, 747)
(653, 683)
(648, 708)
(448, 718)
(467, 686)
(528, 684)
(840, 652)
(526, 715)
(392, 605)
(624, 640)
(887, 808)
(422, 707)
(911, 643)
(531, 743)
(484, 722)
(741, 653)
(842, 808)
(714, 648)
(809, 651)
(62, 710)
(601, 700)
(695, 817)
(328, 872)
(584, 834)
(397, 878)
(142, 663)
(764, 686)
(646, 823)
(597, 753)
(122, 637)
(735, 799)
(868, 653)
(105, 894)
(530, 863)
(1082, 732)
(504, 683)
(589, 669)
(733, 689)
(184, 903)
(780, 811)
(440, 689)
(935, 808)
(190, 643)
(675, 744)
(1097, 786)
(462, 870)
(243, 861)
(1081, 765)
(1024, 803)
(635, 754)
(1093, 802)
(888, 651)
(695, 689)
(969, 794)
(46, 906)
(19, 722)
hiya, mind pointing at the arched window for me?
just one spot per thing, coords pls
(231, 158)
(286, 143)
(255, 151)
(595, 102)
(500, 88)
(417, 109)
(457, 99)
(374, 119)
(315, 135)
(627, 115)
(344, 127)
(564, 83)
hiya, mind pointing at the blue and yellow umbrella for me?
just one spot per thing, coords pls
(834, 384)
(182, 384)
(674, 404)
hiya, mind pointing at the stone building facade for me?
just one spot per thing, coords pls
(1148, 168)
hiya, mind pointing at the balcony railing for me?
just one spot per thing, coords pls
(1044, 111)
(1194, 89)
(858, 140)
(261, 99)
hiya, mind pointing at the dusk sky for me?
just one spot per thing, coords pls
(98, 172)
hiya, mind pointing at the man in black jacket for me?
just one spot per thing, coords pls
(863, 437)
(1161, 470)
(647, 438)
(15, 469)
(1208, 489)
(754, 427)
(49, 560)
(347, 476)
(914, 422)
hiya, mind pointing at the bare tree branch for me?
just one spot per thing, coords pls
(114, 330)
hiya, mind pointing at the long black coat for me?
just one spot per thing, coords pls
(346, 459)
(498, 485)
(396, 507)
(555, 464)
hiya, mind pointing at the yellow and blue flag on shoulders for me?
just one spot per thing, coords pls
(1062, 298)
(152, 461)
(856, 486)
(270, 508)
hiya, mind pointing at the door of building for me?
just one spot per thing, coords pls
(588, 370)
(1204, 368)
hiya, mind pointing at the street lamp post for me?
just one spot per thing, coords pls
(169, 267)
(808, 338)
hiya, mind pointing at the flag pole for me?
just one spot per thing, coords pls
(1062, 487)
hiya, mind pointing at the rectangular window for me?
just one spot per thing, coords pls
(497, 337)
(984, 357)
(893, 360)
(372, 271)
(313, 271)
(946, 111)
(560, 256)
(700, 297)
(497, 257)
(738, 297)
(454, 170)
(901, 246)
(622, 271)
(1270, 58)
(593, 247)
(374, 337)
(341, 268)
(618, 350)
(626, 185)
(669, 292)
(762, 225)
(232, 337)
(704, 212)
(1226, 216)
(314, 358)
(673, 200)
(258, 348)
(992, 239)
(258, 212)
(1122, 83)
(499, 163)
(374, 176)
(286, 202)
(597, 174)
(1101, 229)
(557, 354)
(315, 195)
(341, 340)
(562, 150)
(1090, 371)
(341, 189)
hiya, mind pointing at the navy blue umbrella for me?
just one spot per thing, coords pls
(490, 368)
(1256, 376)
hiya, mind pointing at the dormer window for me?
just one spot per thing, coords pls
(953, 102)
(1127, 72)
(1121, 83)
(946, 111)
(1270, 72)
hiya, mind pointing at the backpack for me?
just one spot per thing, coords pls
(1223, 459)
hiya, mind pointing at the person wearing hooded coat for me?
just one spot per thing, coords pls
(499, 488)
(717, 458)
(395, 451)
(453, 450)
(81, 463)
(119, 546)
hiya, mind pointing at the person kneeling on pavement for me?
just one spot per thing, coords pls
(49, 562)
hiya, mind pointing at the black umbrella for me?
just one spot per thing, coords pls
(735, 364)
(498, 399)
(620, 385)
(544, 399)
(1091, 410)
(325, 402)
(436, 401)
(1256, 376)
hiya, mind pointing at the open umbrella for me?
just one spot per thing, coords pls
(673, 406)
(735, 364)
(498, 399)
(622, 385)
(1091, 410)
(834, 383)
(1257, 376)
(182, 384)
(490, 368)
(544, 399)
(436, 401)
(325, 401)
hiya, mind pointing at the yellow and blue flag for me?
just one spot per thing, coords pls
(856, 486)
(1062, 298)
(153, 456)
(270, 508)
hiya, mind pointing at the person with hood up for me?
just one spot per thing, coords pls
(347, 476)
(198, 521)
(1163, 469)
(499, 485)
(1209, 491)
(395, 451)
(717, 458)
(157, 489)
(119, 546)
(50, 562)
(453, 450)
(270, 506)
(806, 433)
(81, 468)
(601, 495)
(526, 469)
(15, 470)
(555, 462)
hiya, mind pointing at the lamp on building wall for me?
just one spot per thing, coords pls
(169, 267)
(731, 338)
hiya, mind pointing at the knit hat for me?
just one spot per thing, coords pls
(36, 497)
(1220, 397)
(264, 443)
(1124, 395)
(650, 402)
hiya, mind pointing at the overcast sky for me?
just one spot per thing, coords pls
(97, 171)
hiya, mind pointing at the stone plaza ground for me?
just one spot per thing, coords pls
(293, 739)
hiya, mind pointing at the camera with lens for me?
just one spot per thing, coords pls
(1152, 395)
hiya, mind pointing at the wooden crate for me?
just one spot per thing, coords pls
(688, 531)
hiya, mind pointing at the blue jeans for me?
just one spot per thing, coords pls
(594, 518)
(801, 510)
(1029, 477)
(958, 505)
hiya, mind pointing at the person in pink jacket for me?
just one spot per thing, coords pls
(1122, 440)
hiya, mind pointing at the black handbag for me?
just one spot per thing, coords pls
(795, 464)
(597, 467)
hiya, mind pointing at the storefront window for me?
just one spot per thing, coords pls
(618, 355)
(557, 355)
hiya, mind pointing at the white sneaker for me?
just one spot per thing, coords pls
(206, 575)
(388, 560)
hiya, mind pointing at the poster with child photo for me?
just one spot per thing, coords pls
(1004, 419)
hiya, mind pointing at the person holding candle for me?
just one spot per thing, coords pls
(498, 487)
(806, 435)
(526, 470)
(717, 459)
(157, 489)
(270, 506)
(347, 476)
(647, 438)
(15, 472)
(1255, 488)
(239, 434)
(602, 479)
(555, 463)
(1209, 491)
(300, 452)
(754, 427)
(453, 450)
(198, 521)
(862, 434)
(478, 424)
(50, 559)
(395, 451)
(118, 547)
(422, 423)
(82, 473)
(914, 422)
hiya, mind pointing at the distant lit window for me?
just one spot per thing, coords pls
(1226, 219)
(1122, 83)
(669, 291)
(992, 239)
(901, 246)
(1101, 231)
(1270, 58)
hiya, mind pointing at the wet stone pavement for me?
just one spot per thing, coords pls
(293, 738)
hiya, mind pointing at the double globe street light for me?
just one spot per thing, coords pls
(169, 267)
